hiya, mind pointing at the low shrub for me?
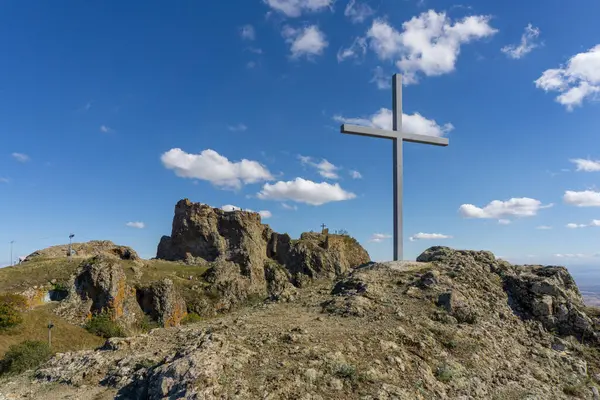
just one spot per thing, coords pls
(102, 325)
(11, 306)
(24, 356)
(146, 324)
(191, 318)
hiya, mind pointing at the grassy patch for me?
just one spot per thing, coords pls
(191, 318)
(146, 324)
(345, 371)
(11, 306)
(444, 373)
(38, 272)
(102, 325)
(579, 391)
(65, 336)
(24, 356)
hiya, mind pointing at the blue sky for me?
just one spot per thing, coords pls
(110, 112)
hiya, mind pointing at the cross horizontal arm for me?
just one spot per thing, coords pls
(381, 133)
(366, 131)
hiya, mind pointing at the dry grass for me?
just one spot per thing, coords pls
(65, 337)
(39, 272)
(179, 273)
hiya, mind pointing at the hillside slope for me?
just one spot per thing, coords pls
(457, 325)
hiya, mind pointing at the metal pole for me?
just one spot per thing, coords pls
(11, 252)
(397, 159)
(50, 326)
(70, 251)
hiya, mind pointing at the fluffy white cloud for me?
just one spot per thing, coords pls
(237, 128)
(587, 198)
(247, 32)
(528, 43)
(355, 175)
(137, 225)
(20, 157)
(429, 43)
(379, 237)
(325, 168)
(295, 8)
(414, 123)
(230, 208)
(305, 191)
(515, 207)
(265, 214)
(578, 80)
(213, 167)
(308, 41)
(586, 165)
(428, 236)
(380, 79)
(504, 221)
(543, 227)
(105, 129)
(357, 49)
(575, 226)
(358, 12)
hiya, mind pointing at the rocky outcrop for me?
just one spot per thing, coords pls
(162, 302)
(100, 286)
(85, 250)
(245, 253)
(545, 294)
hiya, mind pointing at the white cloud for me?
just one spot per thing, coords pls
(586, 165)
(381, 79)
(325, 168)
(21, 157)
(247, 32)
(527, 43)
(587, 198)
(305, 191)
(230, 208)
(429, 43)
(308, 41)
(575, 226)
(414, 123)
(515, 207)
(355, 175)
(105, 129)
(358, 12)
(379, 237)
(237, 128)
(357, 49)
(4, 180)
(578, 80)
(289, 207)
(255, 50)
(265, 214)
(504, 221)
(295, 8)
(543, 227)
(570, 255)
(213, 167)
(137, 225)
(428, 236)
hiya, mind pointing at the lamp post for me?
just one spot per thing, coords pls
(11, 252)
(50, 326)
(70, 251)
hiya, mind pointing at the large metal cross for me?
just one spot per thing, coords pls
(397, 137)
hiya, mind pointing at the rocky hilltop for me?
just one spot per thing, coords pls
(85, 250)
(453, 325)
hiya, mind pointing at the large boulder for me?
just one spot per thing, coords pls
(100, 286)
(162, 302)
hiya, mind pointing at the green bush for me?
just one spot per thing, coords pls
(444, 373)
(24, 356)
(11, 306)
(191, 318)
(103, 326)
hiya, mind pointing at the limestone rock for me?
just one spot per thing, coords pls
(162, 302)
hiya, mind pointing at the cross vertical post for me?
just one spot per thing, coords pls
(11, 252)
(398, 136)
(397, 165)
